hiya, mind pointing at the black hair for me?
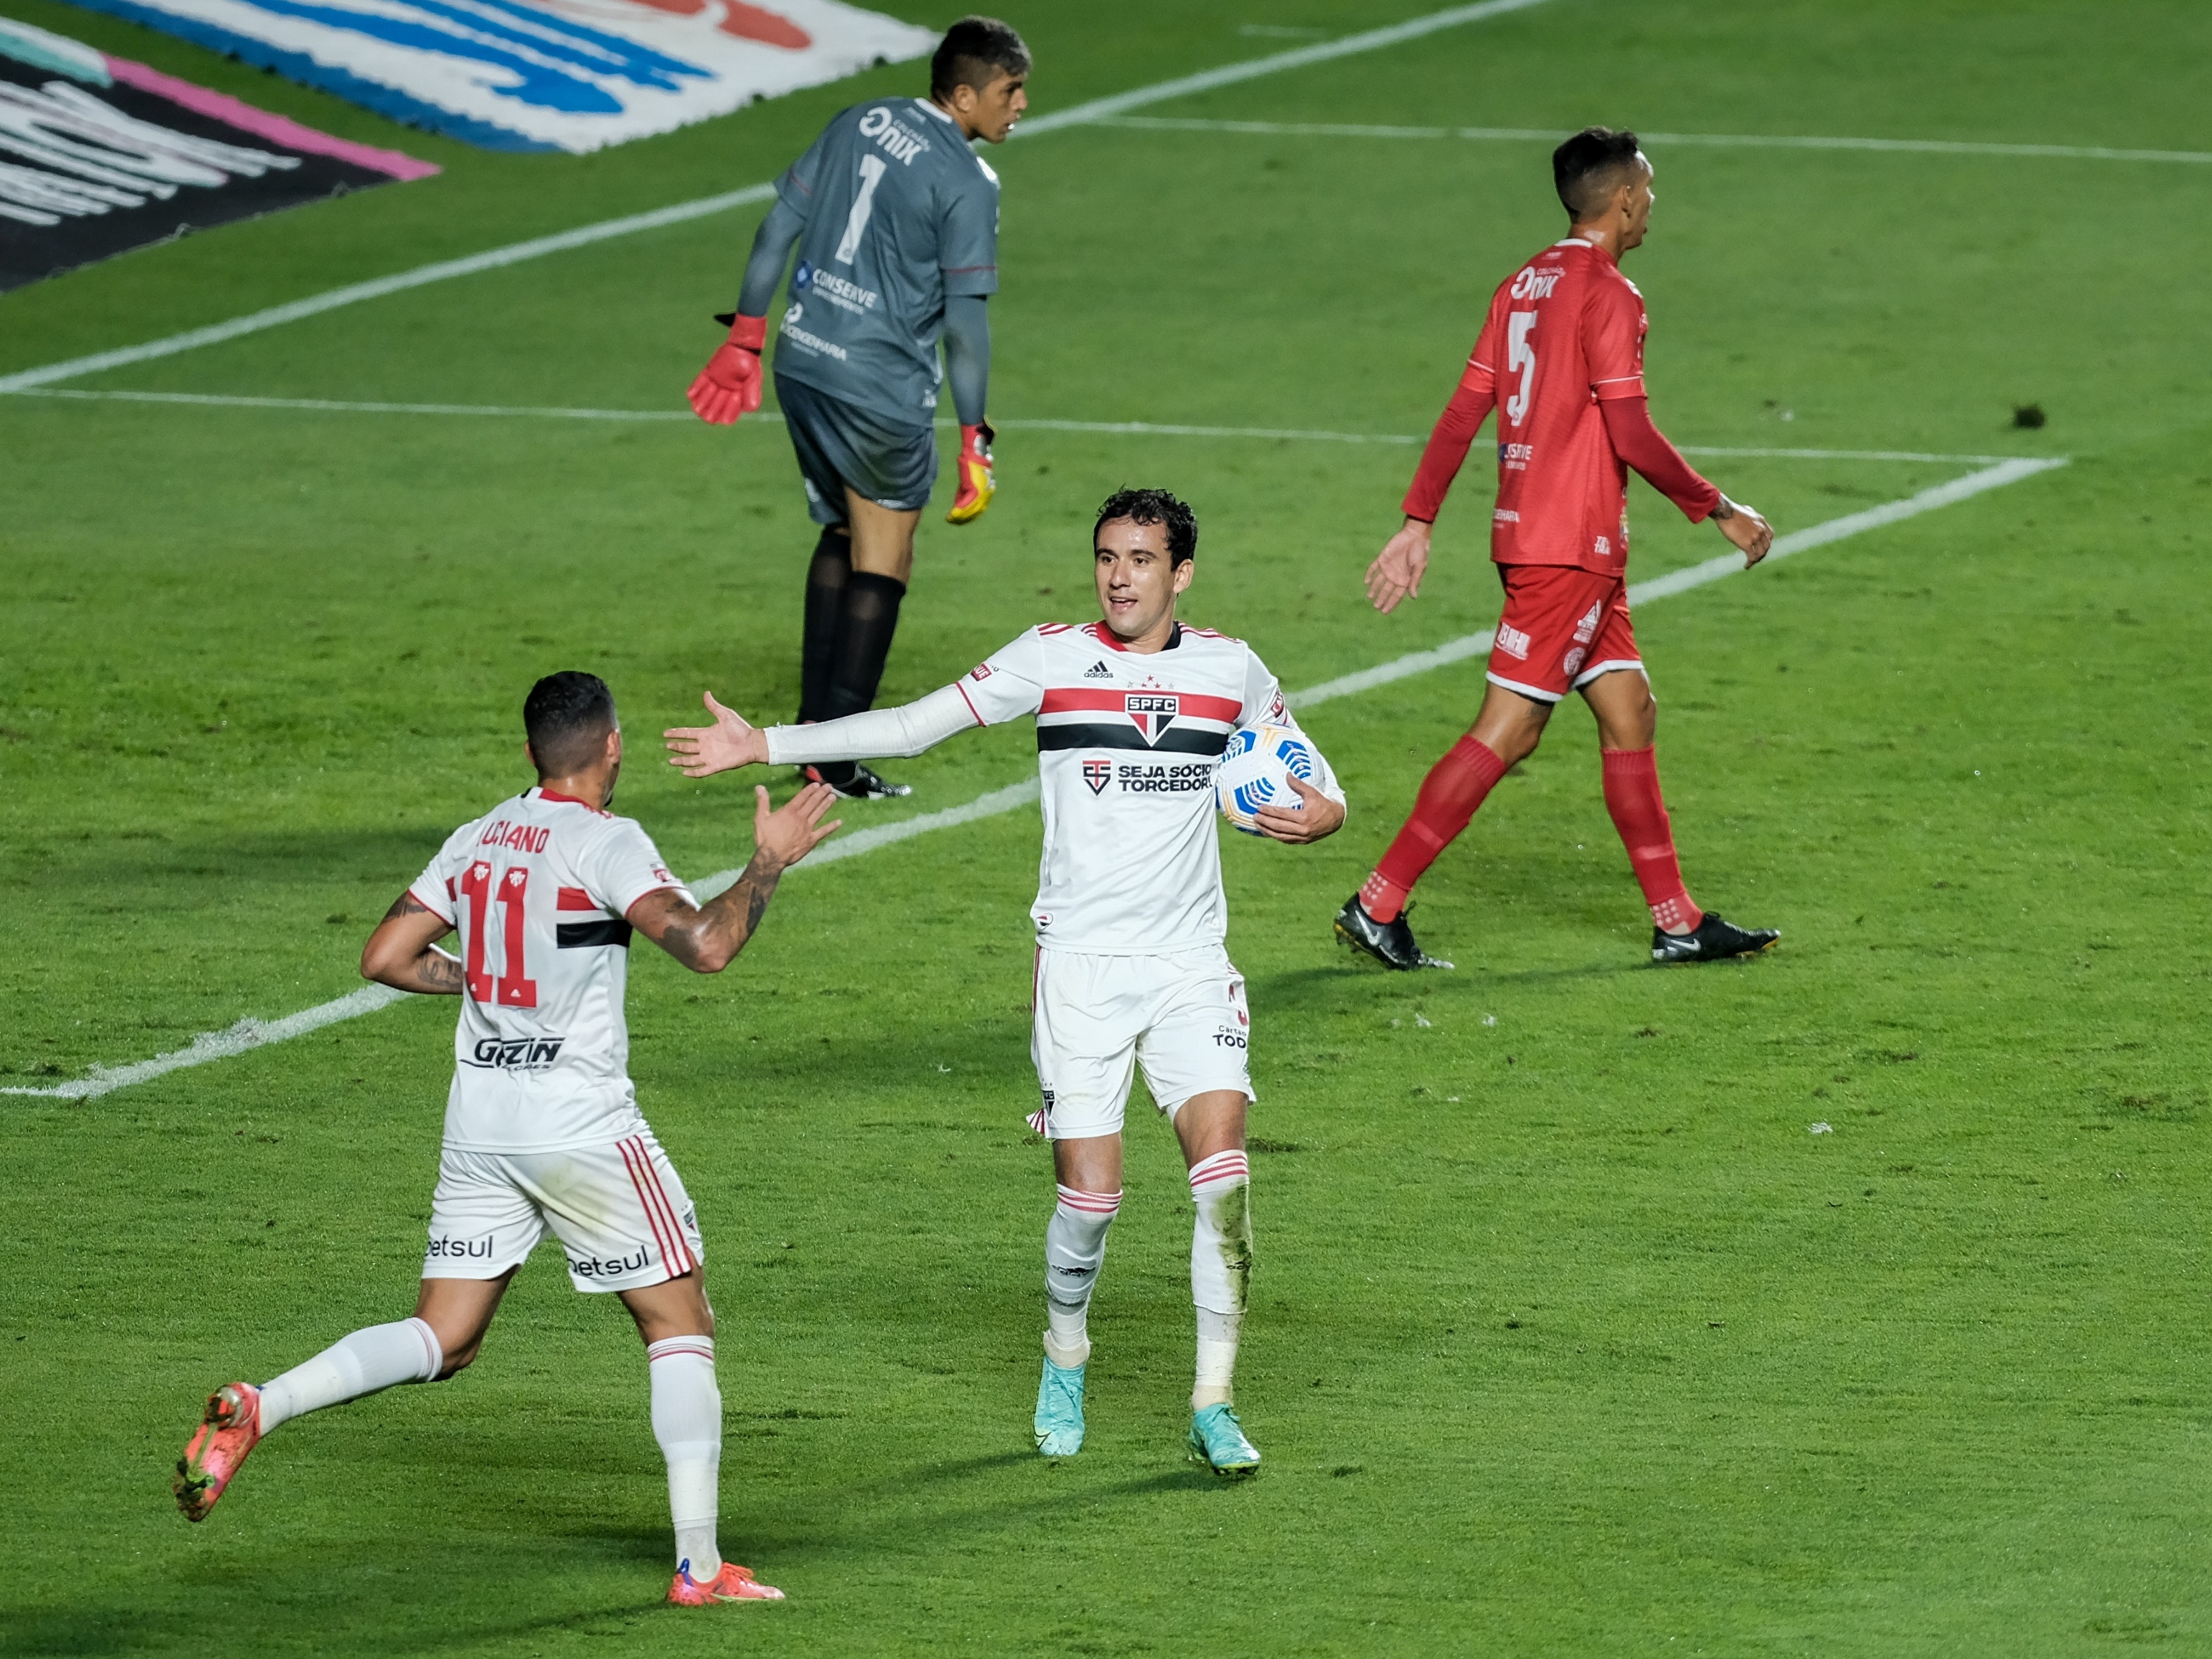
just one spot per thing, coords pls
(975, 52)
(567, 715)
(1153, 507)
(1591, 166)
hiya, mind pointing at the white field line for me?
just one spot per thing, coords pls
(1721, 140)
(253, 1034)
(221, 1045)
(584, 236)
(1114, 429)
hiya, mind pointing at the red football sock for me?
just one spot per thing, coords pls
(1455, 786)
(1632, 795)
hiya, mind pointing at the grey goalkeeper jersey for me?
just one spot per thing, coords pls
(900, 213)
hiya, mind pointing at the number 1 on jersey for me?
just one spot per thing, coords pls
(515, 988)
(864, 204)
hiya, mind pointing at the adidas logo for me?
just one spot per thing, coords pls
(1098, 670)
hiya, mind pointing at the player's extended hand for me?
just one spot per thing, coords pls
(1747, 527)
(795, 828)
(1319, 816)
(730, 385)
(700, 751)
(1398, 568)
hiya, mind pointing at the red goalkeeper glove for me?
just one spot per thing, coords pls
(973, 471)
(730, 385)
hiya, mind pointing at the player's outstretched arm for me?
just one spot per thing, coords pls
(707, 937)
(402, 952)
(700, 751)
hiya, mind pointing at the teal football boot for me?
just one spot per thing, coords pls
(1059, 1421)
(1217, 1440)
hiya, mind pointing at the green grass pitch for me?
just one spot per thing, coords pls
(1569, 1336)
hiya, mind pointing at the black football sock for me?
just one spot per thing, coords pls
(868, 618)
(826, 576)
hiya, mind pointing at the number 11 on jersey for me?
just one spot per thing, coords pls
(515, 988)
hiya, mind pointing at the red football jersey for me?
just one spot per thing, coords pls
(1564, 332)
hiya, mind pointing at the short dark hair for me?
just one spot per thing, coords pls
(1590, 166)
(1152, 507)
(566, 716)
(975, 52)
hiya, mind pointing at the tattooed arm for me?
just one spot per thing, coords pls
(707, 937)
(402, 952)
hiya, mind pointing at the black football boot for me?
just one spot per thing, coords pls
(1390, 943)
(1711, 940)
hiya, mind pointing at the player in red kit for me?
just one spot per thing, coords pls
(1561, 358)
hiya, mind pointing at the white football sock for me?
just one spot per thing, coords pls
(1220, 1269)
(1074, 1248)
(686, 1421)
(370, 1359)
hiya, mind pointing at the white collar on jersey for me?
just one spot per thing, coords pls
(927, 107)
(1574, 241)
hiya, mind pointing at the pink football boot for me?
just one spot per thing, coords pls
(732, 1583)
(231, 1429)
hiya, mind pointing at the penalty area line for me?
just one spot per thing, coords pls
(250, 1034)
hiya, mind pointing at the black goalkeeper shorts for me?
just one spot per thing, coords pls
(840, 446)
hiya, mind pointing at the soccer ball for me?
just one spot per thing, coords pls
(1255, 771)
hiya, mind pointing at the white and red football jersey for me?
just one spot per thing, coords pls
(1127, 747)
(539, 889)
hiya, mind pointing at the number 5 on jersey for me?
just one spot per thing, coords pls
(515, 988)
(1519, 358)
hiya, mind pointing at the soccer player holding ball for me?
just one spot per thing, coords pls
(541, 1126)
(1561, 358)
(1132, 713)
(895, 221)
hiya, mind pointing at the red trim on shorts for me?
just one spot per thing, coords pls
(661, 1218)
(683, 1242)
(969, 700)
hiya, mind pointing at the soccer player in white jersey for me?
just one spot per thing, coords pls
(541, 1126)
(1132, 714)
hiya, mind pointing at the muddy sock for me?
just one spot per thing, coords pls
(1220, 1269)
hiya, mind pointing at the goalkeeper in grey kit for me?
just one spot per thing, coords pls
(896, 222)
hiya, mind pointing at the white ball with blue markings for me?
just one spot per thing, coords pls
(1255, 771)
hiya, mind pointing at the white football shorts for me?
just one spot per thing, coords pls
(1180, 1016)
(619, 1209)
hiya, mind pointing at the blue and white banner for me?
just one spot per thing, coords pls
(571, 75)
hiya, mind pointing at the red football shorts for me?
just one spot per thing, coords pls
(1563, 627)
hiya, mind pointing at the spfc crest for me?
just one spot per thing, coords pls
(1151, 712)
(1098, 773)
